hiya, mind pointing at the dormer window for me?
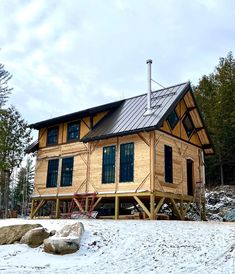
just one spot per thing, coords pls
(73, 131)
(173, 119)
(52, 135)
(188, 125)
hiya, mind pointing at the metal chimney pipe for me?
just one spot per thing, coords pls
(149, 90)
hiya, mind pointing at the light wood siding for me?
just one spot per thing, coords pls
(141, 166)
(179, 130)
(181, 152)
(62, 137)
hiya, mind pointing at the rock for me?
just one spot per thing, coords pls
(61, 246)
(66, 240)
(230, 216)
(75, 229)
(35, 237)
(52, 232)
(14, 233)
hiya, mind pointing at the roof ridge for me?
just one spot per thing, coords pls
(187, 82)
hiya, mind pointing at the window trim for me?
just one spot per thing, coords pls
(61, 172)
(187, 115)
(178, 119)
(79, 131)
(53, 127)
(58, 163)
(102, 173)
(133, 164)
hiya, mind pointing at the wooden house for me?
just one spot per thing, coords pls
(147, 150)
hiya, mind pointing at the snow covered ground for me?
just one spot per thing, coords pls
(131, 246)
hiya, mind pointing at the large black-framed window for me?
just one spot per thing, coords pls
(73, 131)
(188, 125)
(52, 135)
(108, 167)
(173, 119)
(67, 172)
(168, 164)
(52, 173)
(127, 162)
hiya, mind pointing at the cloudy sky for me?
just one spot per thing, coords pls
(69, 55)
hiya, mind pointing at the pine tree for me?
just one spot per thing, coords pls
(24, 187)
(216, 96)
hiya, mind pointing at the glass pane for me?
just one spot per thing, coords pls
(173, 119)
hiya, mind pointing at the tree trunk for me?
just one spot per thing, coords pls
(221, 172)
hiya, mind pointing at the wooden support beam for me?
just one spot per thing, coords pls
(116, 207)
(152, 207)
(143, 206)
(186, 209)
(57, 208)
(42, 202)
(78, 205)
(203, 213)
(160, 203)
(86, 204)
(32, 208)
(96, 203)
(175, 208)
(143, 139)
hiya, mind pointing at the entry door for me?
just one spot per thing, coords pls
(190, 176)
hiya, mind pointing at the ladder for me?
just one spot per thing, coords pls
(85, 205)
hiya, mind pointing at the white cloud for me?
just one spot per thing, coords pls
(70, 55)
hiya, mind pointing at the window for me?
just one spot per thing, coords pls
(67, 172)
(188, 125)
(52, 173)
(52, 135)
(173, 119)
(126, 162)
(108, 170)
(168, 165)
(73, 131)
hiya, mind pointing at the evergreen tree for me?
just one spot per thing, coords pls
(216, 96)
(5, 76)
(24, 187)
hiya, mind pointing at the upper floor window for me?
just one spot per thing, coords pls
(188, 124)
(108, 168)
(126, 162)
(173, 119)
(73, 131)
(52, 135)
(67, 172)
(52, 173)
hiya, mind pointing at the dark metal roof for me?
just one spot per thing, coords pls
(32, 147)
(75, 115)
(129, 116)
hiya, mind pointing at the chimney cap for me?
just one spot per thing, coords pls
(149, 61)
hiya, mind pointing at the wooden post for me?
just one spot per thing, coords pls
(143, 206)
(42, 202)
(57, 208)
(152, 207)
(116, 207)
(152, 160)
(182, 209)
(86, 204)
(32, 209)
(203, 213)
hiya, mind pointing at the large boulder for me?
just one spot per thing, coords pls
(66, 240)
(35, 237)
(61, 246)
(14, 233)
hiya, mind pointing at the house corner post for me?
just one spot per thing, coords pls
(116, 207)
(57, 211)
